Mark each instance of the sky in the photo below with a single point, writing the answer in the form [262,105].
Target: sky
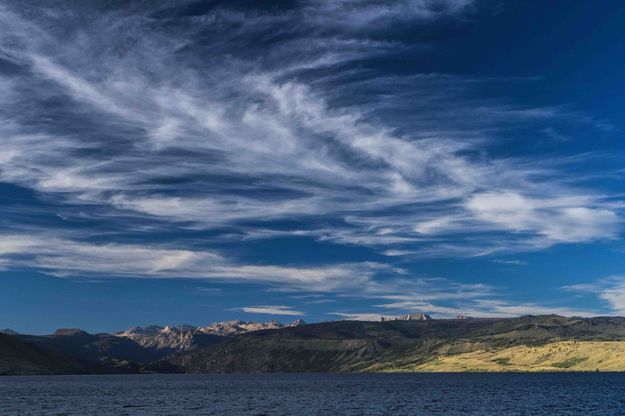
[169,162]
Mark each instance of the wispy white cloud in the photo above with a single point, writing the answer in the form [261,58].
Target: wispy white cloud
[510,262]
[559,219]
[365,316]
[150,124]
[370,282]
[64,257]
[609,290]
[272,310]
[363,15]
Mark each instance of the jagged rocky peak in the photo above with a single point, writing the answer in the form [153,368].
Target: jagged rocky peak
[235,327]
[231,322]
[266,325]
[257,326]
[156,329]
[152,329]
[409,317]
[181,337]
[186,337]
[185,327]
[7,331]
[298,322]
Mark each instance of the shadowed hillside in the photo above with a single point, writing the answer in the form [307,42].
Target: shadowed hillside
[17,357]
[97,353]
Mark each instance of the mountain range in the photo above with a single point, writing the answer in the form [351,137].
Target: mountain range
[138,349]
[527,343]
[186,337]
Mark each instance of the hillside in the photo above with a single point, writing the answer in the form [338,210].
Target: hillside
[554,356]
[90,347]
[390,345]
[17,357]
[95,353]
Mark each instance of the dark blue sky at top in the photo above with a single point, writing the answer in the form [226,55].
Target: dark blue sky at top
[189,162]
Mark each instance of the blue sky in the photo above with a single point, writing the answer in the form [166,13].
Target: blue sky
[193,161]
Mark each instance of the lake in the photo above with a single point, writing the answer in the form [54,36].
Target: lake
[316,394]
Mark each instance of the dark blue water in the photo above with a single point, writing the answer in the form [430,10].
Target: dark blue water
[316,394]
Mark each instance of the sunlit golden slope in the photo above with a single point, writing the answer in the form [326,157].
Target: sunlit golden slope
[555,356]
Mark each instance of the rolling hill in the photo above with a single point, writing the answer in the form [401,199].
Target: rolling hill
[345,346]
[18,357]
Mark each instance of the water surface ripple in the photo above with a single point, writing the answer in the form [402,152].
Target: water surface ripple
[316,394]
